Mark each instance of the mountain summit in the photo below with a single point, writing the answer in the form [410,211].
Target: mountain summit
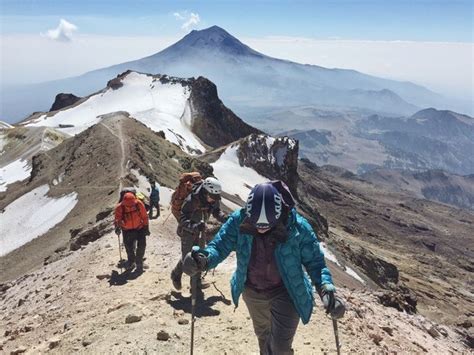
[245,78]
[211,39]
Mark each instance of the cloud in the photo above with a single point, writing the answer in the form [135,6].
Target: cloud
[190,19]
[62,33]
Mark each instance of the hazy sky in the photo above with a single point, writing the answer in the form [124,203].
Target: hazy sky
[427,42]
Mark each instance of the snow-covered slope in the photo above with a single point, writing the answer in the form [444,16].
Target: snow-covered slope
[160,106]
[32,215]
[15,171]
[236,180]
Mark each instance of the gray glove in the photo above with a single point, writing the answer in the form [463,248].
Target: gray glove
[194,262]
[333,304]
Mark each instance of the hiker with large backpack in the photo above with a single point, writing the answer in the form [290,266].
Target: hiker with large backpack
[202,202]
[276,250]
[154,200]
[131,219]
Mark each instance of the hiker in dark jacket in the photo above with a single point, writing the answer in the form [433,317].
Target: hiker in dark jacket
[276,250]
[202,202]
[154,200]
[131,219]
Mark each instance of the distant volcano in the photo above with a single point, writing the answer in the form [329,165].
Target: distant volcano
[245,78]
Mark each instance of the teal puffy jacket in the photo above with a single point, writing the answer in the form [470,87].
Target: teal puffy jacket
[300,250]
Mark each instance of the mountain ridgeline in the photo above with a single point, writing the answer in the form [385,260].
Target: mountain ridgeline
[245,77]
[394,256]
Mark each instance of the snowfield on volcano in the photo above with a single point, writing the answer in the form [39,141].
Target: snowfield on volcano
[31,216]
[161,107]
[236,180]
[15,171]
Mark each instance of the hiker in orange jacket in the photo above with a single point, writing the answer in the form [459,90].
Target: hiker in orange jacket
[132,219]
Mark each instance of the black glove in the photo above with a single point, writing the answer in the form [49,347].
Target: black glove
[333,304]
[118,230]
[147,230]
[200,227]
[194,262]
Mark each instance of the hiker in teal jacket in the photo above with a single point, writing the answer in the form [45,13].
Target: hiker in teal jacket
[273,244]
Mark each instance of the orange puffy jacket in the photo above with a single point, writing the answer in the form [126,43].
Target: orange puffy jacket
[131,213]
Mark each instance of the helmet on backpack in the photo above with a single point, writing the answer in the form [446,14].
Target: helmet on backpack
[264,206]
[213,187]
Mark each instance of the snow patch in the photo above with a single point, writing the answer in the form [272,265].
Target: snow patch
[330,256]
[15,171]
[31,216]
[235,179]
[161,107]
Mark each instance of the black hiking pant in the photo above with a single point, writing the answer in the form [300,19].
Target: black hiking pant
[135,244]
[274,318]
[155,204]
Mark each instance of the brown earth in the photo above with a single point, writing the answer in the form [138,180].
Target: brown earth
[73,305]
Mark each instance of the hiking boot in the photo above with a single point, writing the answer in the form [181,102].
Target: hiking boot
[139,269]
[176,281]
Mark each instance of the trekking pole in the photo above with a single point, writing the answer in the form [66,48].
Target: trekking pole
[194,282]
[120,253]
[336,335]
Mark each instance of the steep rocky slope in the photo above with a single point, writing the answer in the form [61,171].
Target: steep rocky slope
[435,185]
[81,304]
[94,164]
[430,245]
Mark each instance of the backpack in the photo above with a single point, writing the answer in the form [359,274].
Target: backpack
[184,188]
[138,195]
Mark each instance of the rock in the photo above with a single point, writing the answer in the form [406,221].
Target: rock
[132,318]
[465,324]
[388,330]
[21,301]
[86,342]
[19,350]
[183,321]
[103,276]
[111,309]
[63,100]
[178,313]
[377,338]
[443,331]
[433,332]
[53,343]
[162,335]
[160,297]
[108,246]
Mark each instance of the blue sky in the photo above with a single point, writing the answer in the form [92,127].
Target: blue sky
[427,42]
[414,20]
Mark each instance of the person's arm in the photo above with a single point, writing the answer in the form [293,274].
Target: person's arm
[118,215]
[217,212]
[224,241]
[312,256]
[186,212]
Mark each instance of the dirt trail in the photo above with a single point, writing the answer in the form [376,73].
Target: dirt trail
[73,305]
[119,134]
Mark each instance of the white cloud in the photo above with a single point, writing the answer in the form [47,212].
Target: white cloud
[190,19]
[62,33]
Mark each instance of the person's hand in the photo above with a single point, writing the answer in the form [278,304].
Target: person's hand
[194,262]
[147,230]
[118,230]
[200,227]
[332,303]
